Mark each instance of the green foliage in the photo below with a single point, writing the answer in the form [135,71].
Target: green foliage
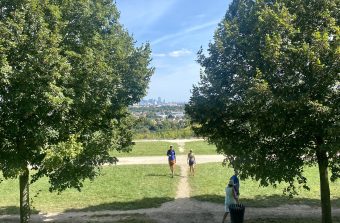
[163,109]
[68,72]
[116,188]
[160,122]
[269,91]
[167,134]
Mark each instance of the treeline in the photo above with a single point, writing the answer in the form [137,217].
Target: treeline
[167,134]
[154,109]
[160,122]
[158,128]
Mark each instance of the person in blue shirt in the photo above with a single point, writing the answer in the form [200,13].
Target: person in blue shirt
[172,159]
[236,181]
[230,198]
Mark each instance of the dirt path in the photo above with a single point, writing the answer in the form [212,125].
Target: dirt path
[183,189]
[183,209]
[181,159]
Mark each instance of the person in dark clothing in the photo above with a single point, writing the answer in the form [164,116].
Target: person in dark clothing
[236,181]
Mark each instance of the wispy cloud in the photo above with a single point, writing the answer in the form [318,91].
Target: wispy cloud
[186,31]
[141,20]
[180,53]
[175,53]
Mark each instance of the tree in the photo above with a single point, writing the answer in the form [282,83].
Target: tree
[269,91]
[68,71]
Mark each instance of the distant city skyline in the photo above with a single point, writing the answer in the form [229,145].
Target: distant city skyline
[158,101]
[176,30]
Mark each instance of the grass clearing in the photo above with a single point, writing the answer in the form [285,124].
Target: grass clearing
[159,148]
[200,148]
[117,188]
[210,180]
[156,148]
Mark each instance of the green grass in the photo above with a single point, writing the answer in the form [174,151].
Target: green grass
[117,188]
[210,180]
[147,149]
[159,148]
[200,148]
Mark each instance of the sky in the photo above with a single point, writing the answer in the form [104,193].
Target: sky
[175,29]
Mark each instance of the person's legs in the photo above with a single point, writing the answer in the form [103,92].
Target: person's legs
[193,170]
[172,164]
[225,216]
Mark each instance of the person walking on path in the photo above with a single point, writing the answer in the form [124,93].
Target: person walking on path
[172,159]
[230,198]
[191,161]
[236,181]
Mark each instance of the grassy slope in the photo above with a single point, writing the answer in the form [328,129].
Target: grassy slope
[159,149]
[117,188]
[200,148]
[210,180]
[147,149]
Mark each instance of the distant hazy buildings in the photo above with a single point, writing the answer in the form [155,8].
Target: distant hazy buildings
[156,102]
[158,109]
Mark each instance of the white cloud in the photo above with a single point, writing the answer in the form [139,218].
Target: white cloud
[175,53]
[186,31]
[180,53]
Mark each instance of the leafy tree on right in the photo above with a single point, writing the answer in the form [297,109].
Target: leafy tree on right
[268,97]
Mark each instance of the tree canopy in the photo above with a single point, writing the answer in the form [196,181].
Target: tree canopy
[269,91]
[68,71]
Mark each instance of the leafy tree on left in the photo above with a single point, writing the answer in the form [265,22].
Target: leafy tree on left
[68,71]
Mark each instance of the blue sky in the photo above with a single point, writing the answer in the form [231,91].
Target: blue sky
[176,29]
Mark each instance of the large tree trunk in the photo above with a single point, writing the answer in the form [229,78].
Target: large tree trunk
[24,196]
[324,187]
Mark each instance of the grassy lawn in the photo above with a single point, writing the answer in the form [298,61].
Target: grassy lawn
[200,148]
[210,180]
[147,149]
[159,148]
[117,188]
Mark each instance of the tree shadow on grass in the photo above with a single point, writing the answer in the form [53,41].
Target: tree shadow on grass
[162,175]
[14,210]
[269,201]
[156,175]
[131,205]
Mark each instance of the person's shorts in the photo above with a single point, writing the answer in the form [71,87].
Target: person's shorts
[172,162]
[191,163]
